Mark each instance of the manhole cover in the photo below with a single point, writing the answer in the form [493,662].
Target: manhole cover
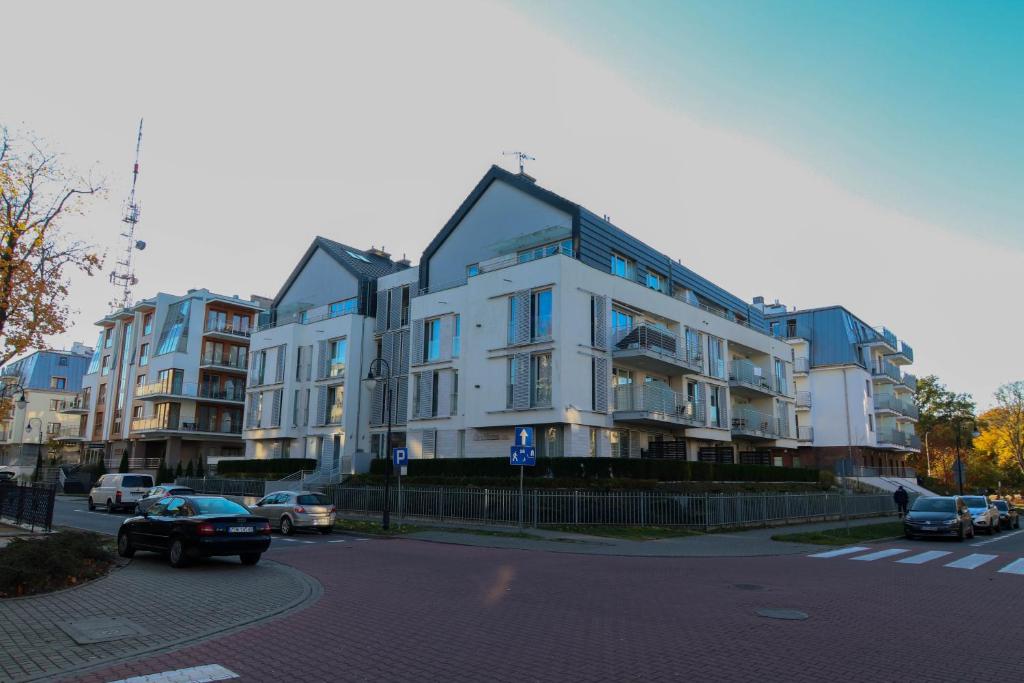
[748,586]
[101,629]
[790,614]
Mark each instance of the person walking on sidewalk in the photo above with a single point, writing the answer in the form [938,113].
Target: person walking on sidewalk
[901,498]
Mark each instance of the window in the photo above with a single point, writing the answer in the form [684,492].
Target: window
[137,411]
[619,441]
[335,404]
[240,322]
[455,392]
[174,335]
[621,321]
[715,395]
[540,380]
[53,428]
[305,409]
[791,328]
[432,339]
[259,367]
[342,307]
[780,376]
[105,369]
[867,387]
[358,257]
[295,408]
[144,354]
[216,320]
[147,324]
[513,316]
[593,442]
[108,337]
[561,247]
[54,404]
[472,270]
[140,380]
[62,361]
[405,306]
[654,281]
[540,319]
[101,395]
[510,385]
[716,362]
[456,336]
[622,266]
[871,423]
[339,349]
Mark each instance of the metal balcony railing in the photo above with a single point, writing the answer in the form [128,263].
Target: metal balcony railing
[803,399]
[222,362]
[654,398]
[884,368]
[228,328]
[72,432]
[749,421]
[157,423]
[805,433]
[78,403]
[888,336]
[745,372]
[191,390]
[648,337]
[801,364]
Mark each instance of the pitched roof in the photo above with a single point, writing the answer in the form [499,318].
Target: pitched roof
[362,264]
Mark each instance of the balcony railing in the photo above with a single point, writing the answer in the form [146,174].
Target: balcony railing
[72,432]
[755,423]
[888,336]
[805,433]
[658,340]
[801,364]
[897,404]
[500,263]
[653,398]
[885,369]
[237,364]
[228,329]
[892,436]
[158,423]
[910,382]
[746,373]
[803,399]
[75,405]
[191,390]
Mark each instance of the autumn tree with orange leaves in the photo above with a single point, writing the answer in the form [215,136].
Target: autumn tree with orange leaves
[37,192]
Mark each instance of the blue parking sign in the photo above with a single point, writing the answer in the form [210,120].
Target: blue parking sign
[401,456]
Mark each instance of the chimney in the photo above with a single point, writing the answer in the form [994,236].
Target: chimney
[403,262]
[758,300]
[378,252]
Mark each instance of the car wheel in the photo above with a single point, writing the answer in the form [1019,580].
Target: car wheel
[999,528]
[287,528]
[326,531]
[110,506]
[124,545]
[177,554]
[92,505]
[910,536]
[249,558]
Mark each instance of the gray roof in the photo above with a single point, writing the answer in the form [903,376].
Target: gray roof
[374,266]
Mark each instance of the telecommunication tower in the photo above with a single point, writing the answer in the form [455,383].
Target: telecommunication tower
[123,276]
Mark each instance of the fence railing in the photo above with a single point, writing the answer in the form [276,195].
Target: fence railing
[803,399]
[32,505]
[626,508]
[223,486]
[901,472]
[227,328]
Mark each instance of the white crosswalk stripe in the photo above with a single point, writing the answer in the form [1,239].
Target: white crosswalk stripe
[881,554]
[924,557]
[972,561]
[1015,567]
[841,551]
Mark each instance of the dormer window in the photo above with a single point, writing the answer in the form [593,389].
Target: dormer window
[654,281]
[622,266]
[359,257]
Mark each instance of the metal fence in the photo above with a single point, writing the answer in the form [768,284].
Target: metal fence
[227,487]
[32,505]
[621,508]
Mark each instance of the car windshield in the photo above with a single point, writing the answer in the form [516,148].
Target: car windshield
[136,481]
[219,506]
[933,505]
[976,502]
[313,499]
[1002,505]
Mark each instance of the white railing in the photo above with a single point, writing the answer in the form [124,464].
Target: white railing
[803,399]
[801,364]
[652,398]
[805,433]
[657,340]
[745,372]
[749,421]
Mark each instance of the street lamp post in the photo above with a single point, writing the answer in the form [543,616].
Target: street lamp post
[9,390]
[381,371]
[960,474]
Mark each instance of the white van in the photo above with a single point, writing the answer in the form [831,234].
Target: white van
[119,491]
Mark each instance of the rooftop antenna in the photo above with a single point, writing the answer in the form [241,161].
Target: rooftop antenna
[522,156]
[123,275]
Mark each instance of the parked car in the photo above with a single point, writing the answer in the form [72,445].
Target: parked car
[8,475]
[119,491]
[939,516]
[159,492]
[291,510]
[187,527]
[1009,517]
[986,516]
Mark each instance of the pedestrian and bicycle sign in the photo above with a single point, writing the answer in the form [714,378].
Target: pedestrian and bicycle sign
[523,453]
[401,456]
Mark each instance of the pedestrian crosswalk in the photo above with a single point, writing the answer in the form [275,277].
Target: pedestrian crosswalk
[944,558]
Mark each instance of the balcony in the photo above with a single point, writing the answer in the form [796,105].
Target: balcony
[71,433]
[757,425]
[801,365]
[884,371]
[894,438]
[190,390]
[224,330]
[223,364]
[75,406]
[655,405]
[909,383]
[903,408]
[655,349]
[223,427]
[805,434]
[905,356]
[803,400]
[746,378]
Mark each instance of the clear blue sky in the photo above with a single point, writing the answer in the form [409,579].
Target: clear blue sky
[918,105]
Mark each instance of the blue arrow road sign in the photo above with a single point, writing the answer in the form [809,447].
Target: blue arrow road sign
[401,456]
[523,455]
[524,436]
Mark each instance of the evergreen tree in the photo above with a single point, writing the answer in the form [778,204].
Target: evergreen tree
[123,467]
[200,470]
[178,472]
[190,471]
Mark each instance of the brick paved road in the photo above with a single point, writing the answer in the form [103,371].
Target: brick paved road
[408,610]
[172,605]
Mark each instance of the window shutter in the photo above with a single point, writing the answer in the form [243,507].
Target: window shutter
[275,410]
[521,386]
[402,401]
[600,313]
[321,405]
[634,444]
[723,407]
[429,441]
[387,351]
[250,412]
[602,384]
[381,323]
[377,416]
[424,394]
[309,363]
[321,362]
[447,331]
[275,450]
[282,356]
[521,324]
[444,393]
[395,318]
[417,341]
[446,444]
[327,454]
[403,357]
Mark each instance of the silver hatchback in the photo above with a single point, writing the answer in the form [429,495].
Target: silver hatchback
[291,510]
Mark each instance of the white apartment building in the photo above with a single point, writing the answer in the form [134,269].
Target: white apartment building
[167,380]
[310,352]
[855,405]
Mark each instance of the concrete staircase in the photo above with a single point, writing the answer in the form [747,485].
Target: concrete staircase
[890,484]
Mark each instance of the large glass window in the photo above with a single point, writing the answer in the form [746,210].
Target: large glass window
[511,382]
[540,321]
[513,316]
[622,266]
[432,339]
[780,376]
[343,307]
[716,360]
[540,380]
[94,362]
[655,281]
[339,350]
[715,395]
[335,404]
[174,335]
[147,324]
[621,321]
[144,354]
[457,336]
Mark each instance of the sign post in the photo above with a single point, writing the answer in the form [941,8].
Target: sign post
[401,459]
[522,454]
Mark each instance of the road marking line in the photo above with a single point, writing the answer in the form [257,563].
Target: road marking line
[340,541]
[841,551]
[1015,567]
[193,674]
[362,539]
[924,557]
[1001,537]
[871,557]
[972,561]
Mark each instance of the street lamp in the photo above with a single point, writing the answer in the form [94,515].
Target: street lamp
[381,371]
[961,475]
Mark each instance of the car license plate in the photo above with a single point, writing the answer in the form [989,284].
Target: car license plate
[322,522]
[240,530]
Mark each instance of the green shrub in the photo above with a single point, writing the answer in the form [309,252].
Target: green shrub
[272,468]
[190,470]
[52,562]
[123,466]
[179,470]
[603,468]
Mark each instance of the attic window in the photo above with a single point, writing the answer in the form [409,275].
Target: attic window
[357,256]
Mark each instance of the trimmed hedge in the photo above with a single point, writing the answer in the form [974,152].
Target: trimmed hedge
[277,467]
[603,468]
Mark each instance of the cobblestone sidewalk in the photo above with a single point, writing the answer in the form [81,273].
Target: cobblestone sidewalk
[169,607]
